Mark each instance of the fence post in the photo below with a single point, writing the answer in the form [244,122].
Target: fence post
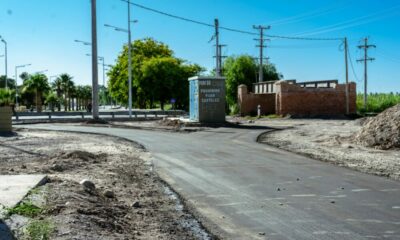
[49,115]
[83,115]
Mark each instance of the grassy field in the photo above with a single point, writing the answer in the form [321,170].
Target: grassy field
[377,102]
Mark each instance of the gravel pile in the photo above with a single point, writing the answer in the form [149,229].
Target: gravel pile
[382,131]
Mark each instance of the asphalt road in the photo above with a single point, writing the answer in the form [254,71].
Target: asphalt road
[249,189]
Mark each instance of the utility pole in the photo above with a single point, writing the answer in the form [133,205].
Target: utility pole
[366,46]
[129,59]
[219,58]
[95,85]
[217,49]
[5,58]
[346,47]
[261,46]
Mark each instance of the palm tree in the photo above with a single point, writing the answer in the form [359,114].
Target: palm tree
[39,85]
[66,85]
[87,95]
[57,87]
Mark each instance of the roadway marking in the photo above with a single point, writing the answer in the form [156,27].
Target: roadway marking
[360,190]
[231,204]
[314,177]
[320,232]
[303,195]
[337,196]
[396,207]
[364,220]
[390,190]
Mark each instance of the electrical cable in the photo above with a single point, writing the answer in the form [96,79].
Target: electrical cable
[226,28]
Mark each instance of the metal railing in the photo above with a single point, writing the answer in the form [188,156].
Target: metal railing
[110,115]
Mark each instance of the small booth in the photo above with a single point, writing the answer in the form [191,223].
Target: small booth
[207,99]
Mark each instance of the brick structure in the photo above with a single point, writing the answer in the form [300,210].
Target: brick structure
[248,102]
[326,98]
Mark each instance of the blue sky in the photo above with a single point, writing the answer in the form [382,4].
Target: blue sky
[42,32]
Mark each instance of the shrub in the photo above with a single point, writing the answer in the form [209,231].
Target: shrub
[6,97]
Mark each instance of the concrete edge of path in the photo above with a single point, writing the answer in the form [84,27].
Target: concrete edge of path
[14,188]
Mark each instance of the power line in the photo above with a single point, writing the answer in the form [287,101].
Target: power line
[227,28]
[352,22]
[352,67]
[308,15]
[171,15]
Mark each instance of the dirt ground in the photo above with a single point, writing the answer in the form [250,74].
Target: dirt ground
[331,141]
[128,202]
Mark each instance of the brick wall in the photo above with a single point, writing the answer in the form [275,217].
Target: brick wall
[294,100]
[248,102]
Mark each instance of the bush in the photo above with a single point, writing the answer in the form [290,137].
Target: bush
[6,97]
[234,109]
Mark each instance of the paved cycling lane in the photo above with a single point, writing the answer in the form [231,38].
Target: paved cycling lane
[249,189]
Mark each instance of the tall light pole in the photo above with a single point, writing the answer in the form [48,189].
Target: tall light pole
[130,58]
[95,90]
[16,81]
[5,57]
[103,64]
[128,31]
[104,75]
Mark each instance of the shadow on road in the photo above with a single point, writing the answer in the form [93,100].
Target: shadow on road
[5,232]
[8,134]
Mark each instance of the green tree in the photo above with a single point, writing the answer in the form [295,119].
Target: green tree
[243,70]
[6,97]
[157,75]
[67,86]
[57,86]
[52,100]
[10,82]
[38,84]
[142,51]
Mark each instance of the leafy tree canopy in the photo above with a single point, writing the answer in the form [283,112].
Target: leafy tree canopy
[155,75]
[10,82]
[243,69]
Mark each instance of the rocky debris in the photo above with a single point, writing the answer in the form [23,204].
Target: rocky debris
[136,204]
[382,131]
[88,185]
[109,194]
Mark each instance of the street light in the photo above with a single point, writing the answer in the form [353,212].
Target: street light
[103,63]
[40,72]
[95,76]
[104,75]
[83,42]
[5,59]
[128,31]
[16,81]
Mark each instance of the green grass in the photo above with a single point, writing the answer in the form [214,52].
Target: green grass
[39,230]
[271,116]
[377,102]
[26,209]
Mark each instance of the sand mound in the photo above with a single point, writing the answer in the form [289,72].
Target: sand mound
[382,131]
